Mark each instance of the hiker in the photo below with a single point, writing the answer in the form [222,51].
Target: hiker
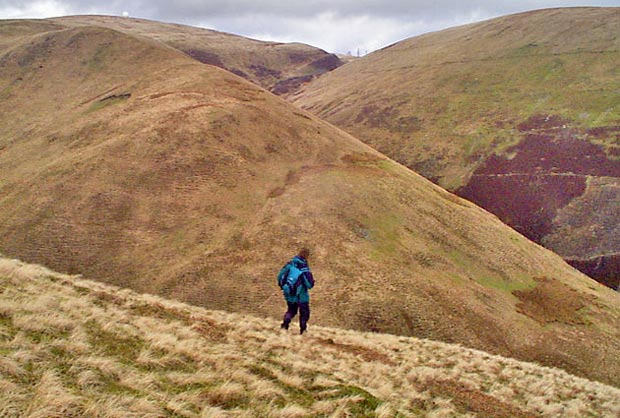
[295,279]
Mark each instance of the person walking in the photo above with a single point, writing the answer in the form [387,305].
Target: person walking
[295,279]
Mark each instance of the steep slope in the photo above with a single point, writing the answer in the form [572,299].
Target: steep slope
[518,114]
[73,347]
[279,67]
[128,161]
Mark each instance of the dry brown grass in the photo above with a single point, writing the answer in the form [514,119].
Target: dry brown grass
[443,102]
[447,104]
[167,191]
[113,361]
[264,63]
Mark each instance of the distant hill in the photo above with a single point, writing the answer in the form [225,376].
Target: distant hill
[125,160]
[518,114]
[73,347]
[278,67]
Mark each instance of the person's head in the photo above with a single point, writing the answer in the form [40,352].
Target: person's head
[304,252]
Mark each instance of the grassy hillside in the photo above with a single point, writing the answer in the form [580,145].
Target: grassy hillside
[73,347]
[518,114]
[128,161]
[279,67]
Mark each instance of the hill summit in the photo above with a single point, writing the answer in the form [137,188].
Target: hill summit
[279,67]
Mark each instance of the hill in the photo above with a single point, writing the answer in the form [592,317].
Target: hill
[518,114]
[275,66]
[126,160]
[73,347]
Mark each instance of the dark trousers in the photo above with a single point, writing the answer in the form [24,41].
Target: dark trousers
[304,314]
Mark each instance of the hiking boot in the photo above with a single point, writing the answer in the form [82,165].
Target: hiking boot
[284,325]
[301,331]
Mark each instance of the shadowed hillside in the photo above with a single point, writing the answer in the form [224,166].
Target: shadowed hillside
[278,67]
[128,161]
[73,347]
[518,114]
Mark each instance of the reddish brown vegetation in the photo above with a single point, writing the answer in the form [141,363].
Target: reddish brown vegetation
[526,202]
[551,301]
[553,154]
[326,63]
[541,175]
[604,131]
[205,57]
[262,71]
[291,84]
[538,122]
[360,158]
[470,400]
[365,353]
[606,269]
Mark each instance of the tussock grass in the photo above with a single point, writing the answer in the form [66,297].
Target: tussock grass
[73,347]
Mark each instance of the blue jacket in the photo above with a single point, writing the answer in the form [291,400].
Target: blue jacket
[307,281]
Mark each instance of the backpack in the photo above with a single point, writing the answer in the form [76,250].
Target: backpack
[292,283]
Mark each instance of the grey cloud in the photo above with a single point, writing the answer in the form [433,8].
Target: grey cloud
[370,23]
[193,9]
[397,9]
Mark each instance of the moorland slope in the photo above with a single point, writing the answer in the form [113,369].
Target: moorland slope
[275,66]
[126,160]
[518,114]
[74,347]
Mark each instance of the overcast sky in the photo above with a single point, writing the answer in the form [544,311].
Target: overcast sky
[334,25]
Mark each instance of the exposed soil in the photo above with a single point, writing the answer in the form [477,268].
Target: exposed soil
[122,96]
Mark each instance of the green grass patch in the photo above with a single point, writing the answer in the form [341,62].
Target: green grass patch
[296,395]
[487,277]
[110,385]
[98,60]
[7,329]
[81,290]
[124,348]
[108,101]
[46,336]
[363,408]
[151,310]
[389,166]
[62,362]
[179,363]
[506,286]
[263,373]
[6,92]
[384,235]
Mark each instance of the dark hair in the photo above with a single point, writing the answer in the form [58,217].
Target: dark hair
[304,252]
